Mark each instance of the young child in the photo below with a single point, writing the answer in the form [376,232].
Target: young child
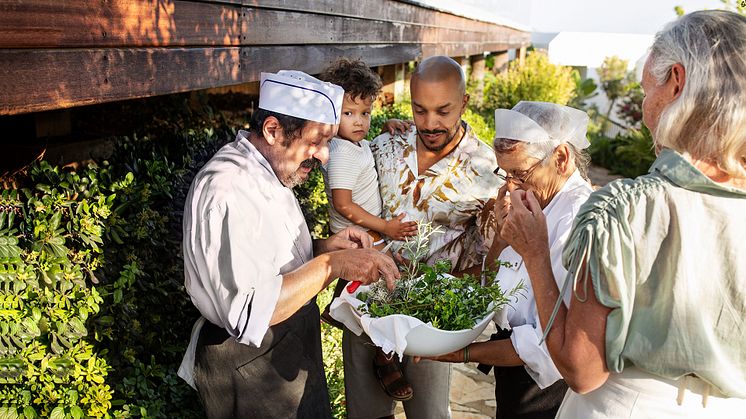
[352,187]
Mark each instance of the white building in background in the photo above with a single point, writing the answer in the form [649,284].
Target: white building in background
[586,51]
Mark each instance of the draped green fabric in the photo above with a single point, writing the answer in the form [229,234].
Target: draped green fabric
[667,253]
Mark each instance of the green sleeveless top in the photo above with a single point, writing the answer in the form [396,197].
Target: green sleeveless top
[667,253]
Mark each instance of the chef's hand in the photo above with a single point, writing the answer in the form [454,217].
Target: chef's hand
[363,265]
[349,238]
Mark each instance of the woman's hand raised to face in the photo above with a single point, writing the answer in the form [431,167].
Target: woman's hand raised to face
[525,227]
[501,209]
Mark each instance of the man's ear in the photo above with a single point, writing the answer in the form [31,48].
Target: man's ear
[271,130]
[466,102]
[677,79]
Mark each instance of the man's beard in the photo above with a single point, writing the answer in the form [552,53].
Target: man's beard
[444,144]
[294,179]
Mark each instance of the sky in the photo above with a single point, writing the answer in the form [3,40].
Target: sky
[621,16]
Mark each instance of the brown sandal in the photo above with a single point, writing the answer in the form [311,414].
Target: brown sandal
[392,366]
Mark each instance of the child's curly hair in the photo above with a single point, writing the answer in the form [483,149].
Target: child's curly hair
[356,78]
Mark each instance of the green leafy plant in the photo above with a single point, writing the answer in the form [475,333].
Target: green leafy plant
[482,125]
[429,294]
[331,344]
[445,301]
[536,80]
[50,237]
[629,154]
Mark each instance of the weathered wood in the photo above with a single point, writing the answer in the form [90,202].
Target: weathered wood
[117,23]
[478,67]
[62,53]
[38,80]
[386,10]
[304,28]
[142,23]
[501,61]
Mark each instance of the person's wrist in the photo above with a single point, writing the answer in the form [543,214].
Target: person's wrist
[466,354]
[537,257]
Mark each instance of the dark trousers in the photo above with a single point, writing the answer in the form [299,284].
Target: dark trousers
[282,378]
[517,395]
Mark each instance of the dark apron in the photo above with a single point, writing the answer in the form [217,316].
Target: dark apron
[282,378]
[518,396]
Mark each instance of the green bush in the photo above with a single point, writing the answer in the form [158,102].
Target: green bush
[629,154]
[379,116]
[331,342]
[94,306]
[536,80]
[483,126]
[50,245]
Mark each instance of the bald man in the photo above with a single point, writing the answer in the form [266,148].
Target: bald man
[438,172]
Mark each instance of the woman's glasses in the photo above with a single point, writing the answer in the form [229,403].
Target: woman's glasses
[521,177]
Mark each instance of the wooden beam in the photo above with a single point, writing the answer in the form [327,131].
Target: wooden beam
[77,52]
[385,10]
[38,80]
[144,23]
[117,23]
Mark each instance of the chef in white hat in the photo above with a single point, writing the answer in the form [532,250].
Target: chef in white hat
[251,267]
[539,147]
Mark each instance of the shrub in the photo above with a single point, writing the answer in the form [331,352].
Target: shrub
[536,80]
[379,116]
[99,310]
[629,154]
[50,237]
[483,126]
[331,342]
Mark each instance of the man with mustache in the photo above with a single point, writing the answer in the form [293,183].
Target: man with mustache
[438,172]
[249,260]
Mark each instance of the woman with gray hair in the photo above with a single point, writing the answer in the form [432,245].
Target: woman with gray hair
[539,147]
[657,328]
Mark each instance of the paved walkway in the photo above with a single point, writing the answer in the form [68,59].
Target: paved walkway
[473,393]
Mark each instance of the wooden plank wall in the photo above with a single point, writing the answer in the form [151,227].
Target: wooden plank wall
[63,53]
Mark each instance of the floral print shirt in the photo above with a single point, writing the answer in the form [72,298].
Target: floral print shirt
[450,194]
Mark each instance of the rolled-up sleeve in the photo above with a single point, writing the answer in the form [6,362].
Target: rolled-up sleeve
[539,364]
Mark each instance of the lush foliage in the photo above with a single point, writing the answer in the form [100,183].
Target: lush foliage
[429,294]
[379,116]
[331,342]
[585,89]
[629,108]
[94,294]
[537,80]
[483,126]
[614,76]
[629,154]
[447,302]
[50,246]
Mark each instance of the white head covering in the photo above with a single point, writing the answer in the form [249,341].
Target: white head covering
[297,94]
[536,122]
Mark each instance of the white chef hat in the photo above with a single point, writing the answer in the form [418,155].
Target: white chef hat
[535,122]
[297,94]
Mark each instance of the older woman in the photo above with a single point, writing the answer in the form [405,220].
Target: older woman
[657,327]
[539,147]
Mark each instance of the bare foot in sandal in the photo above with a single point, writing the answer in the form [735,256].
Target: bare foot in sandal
[390,376]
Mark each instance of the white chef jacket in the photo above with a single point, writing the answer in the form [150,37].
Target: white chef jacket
[522,315]
[243,229]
